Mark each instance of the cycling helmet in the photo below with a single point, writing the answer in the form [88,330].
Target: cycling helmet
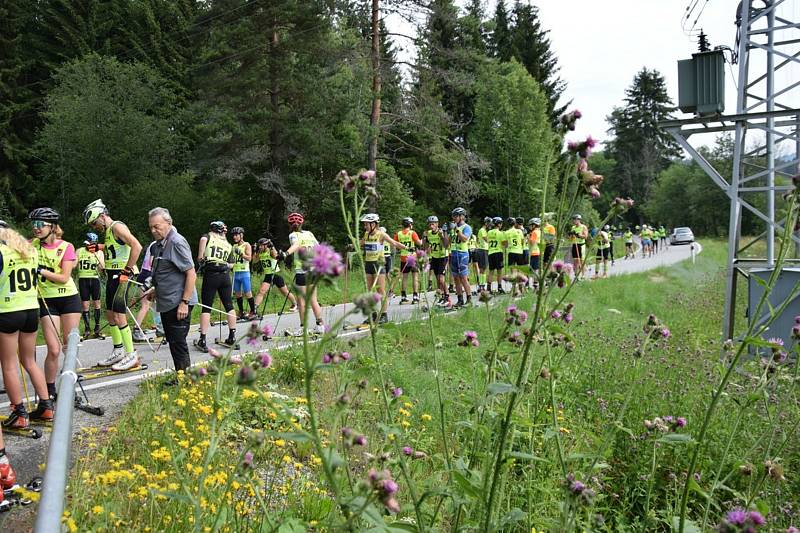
[217,226]
[519,220]
[237,230]
[370,217]
[262,241]
[94,210]
[295,218]
[535,221]
[487,220]
[577,216]
[497,221]
[459,212]
[606,227]
[4,224]
[407,221]
[511,221]
[91,238]
[45,214]
[432,219]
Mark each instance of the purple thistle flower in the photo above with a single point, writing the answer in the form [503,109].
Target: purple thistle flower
[475,343]
[792,529]
[411,261]
[408,450]
[558,265]
[361,440]
[389,486]
[680,422]
[573,146]
[511,310]
[345,356]
[522,317]
[326,358]
[556,314]
[248,459]
[568,318]
[265,359]
[470,335]
[590,142]
[267,330]
[576,114]
[775,342]
[202,371]
[736,517]
[594,192]
[756,518]
[325,261]
[665,333]
[397,392]
[245,376]
[577,487]
[377,297]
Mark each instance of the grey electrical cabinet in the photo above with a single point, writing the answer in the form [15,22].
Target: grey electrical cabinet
[701,83]
[788,280]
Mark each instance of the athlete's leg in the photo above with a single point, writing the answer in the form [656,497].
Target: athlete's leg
[27,356]
[51,330]
[262,291]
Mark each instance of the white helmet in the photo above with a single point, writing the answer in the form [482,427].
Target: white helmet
[370,217]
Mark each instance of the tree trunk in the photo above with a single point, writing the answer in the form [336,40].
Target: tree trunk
[375,117]
[273,96]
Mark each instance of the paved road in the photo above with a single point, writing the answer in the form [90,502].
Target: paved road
[114,392]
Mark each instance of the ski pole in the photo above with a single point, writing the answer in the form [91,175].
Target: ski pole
[285,299]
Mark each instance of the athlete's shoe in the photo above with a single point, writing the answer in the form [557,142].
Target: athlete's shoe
[500,290]
[229,342]
[18,419]
[201,345]
[319,329]
[138,336]
[131,360]
[250,316]
[415,299]
[8,477]
[293,309]
[44,412]
[384,319]
[160,333]
[441,302]
[116,356]
[294,333]
[404,299]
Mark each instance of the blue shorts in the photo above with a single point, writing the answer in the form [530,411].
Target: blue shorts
[459,263]
[241,282]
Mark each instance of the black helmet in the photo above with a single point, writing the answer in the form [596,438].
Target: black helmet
[44,214]
[459,211]
[217,226]
[511,221]
[237,230]
[3,224]
[407,221]
[263,241]
[519,220]
[497,221]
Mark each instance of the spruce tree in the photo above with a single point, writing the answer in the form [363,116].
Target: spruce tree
[501,38]
[641,149]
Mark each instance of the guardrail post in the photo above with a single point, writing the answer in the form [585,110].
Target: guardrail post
[51,504]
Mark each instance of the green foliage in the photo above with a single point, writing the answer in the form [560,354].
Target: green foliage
[512,131]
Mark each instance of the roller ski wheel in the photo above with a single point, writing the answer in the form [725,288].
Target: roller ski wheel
[356,327]
[224,344]
[99,372]
[28,432]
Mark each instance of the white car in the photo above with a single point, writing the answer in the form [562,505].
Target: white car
[681,236]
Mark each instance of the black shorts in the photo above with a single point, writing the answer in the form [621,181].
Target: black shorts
[472,256]
[526,255]
[374,268]
[496,261]
[482,258]
[387,264]
[438,265]
[534,263]
[26,321]
[300,279]
[216,283]
[603,254]
[548,252]
[274,279]
[516,259]
[577,250]
[89,289]
[629,246]
[60,305]
[405,268]
[112,284]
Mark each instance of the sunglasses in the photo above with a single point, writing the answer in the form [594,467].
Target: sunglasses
[39,224]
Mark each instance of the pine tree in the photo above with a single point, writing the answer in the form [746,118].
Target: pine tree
[501,38]
[641,149]
[531,46]
[473,33]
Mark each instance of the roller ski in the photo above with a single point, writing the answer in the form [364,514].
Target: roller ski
[317,331]
[98,372]
[18,423]
[93,335]
[227,343]
[11,490]
[200,344]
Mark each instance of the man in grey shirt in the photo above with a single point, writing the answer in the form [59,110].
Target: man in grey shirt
[174,284]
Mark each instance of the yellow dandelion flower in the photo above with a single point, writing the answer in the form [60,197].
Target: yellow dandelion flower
[280,443]
[563,430]
[426,417]
[247,394]
[97,509]
[180,402]
[164,396]
[72,526]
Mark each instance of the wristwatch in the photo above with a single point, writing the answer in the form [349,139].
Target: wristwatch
[185,301]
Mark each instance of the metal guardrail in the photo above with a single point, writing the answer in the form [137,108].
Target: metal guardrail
[51,504]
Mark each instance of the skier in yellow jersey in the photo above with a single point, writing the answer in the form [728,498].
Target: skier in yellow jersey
[302,241]
[214,255]
[19,321]
[242,255]
[121,251]
[578,232]
[482,252]
[497,244]
[90,264]
[436,244]
[408,260]
[603,253]
[267,256]
[372,242]
[459,256]
[516,242]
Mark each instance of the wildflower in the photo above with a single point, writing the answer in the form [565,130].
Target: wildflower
[556,314]
[360,440]
[411,261]
[97,509]
[236,359]
[426,418]
[775,342]
[267,330]
[408,450]
[247,462]
[213,353]
[367,177]
[470,339]
[245,376]
[774,470]
[680,422]
[367,302]
[397,392]
[567,318]
[511,310]
[265,359]
[202,371]
[738,519]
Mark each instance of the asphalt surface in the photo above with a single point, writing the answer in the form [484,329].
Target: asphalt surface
[114,392]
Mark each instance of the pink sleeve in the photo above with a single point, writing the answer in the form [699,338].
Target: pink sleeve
[69,254]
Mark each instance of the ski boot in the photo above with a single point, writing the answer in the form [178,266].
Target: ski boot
[319,329]
[415,299]
[44,412]
[293,309]
[18,419]
[131,360]
[403,299]
[116,356]
[201,345]
[139,336]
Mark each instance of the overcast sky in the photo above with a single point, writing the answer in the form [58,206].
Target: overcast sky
[601,45]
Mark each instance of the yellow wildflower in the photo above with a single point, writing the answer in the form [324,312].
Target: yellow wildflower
[97,509]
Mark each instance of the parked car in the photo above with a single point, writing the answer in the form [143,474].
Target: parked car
[681,236]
